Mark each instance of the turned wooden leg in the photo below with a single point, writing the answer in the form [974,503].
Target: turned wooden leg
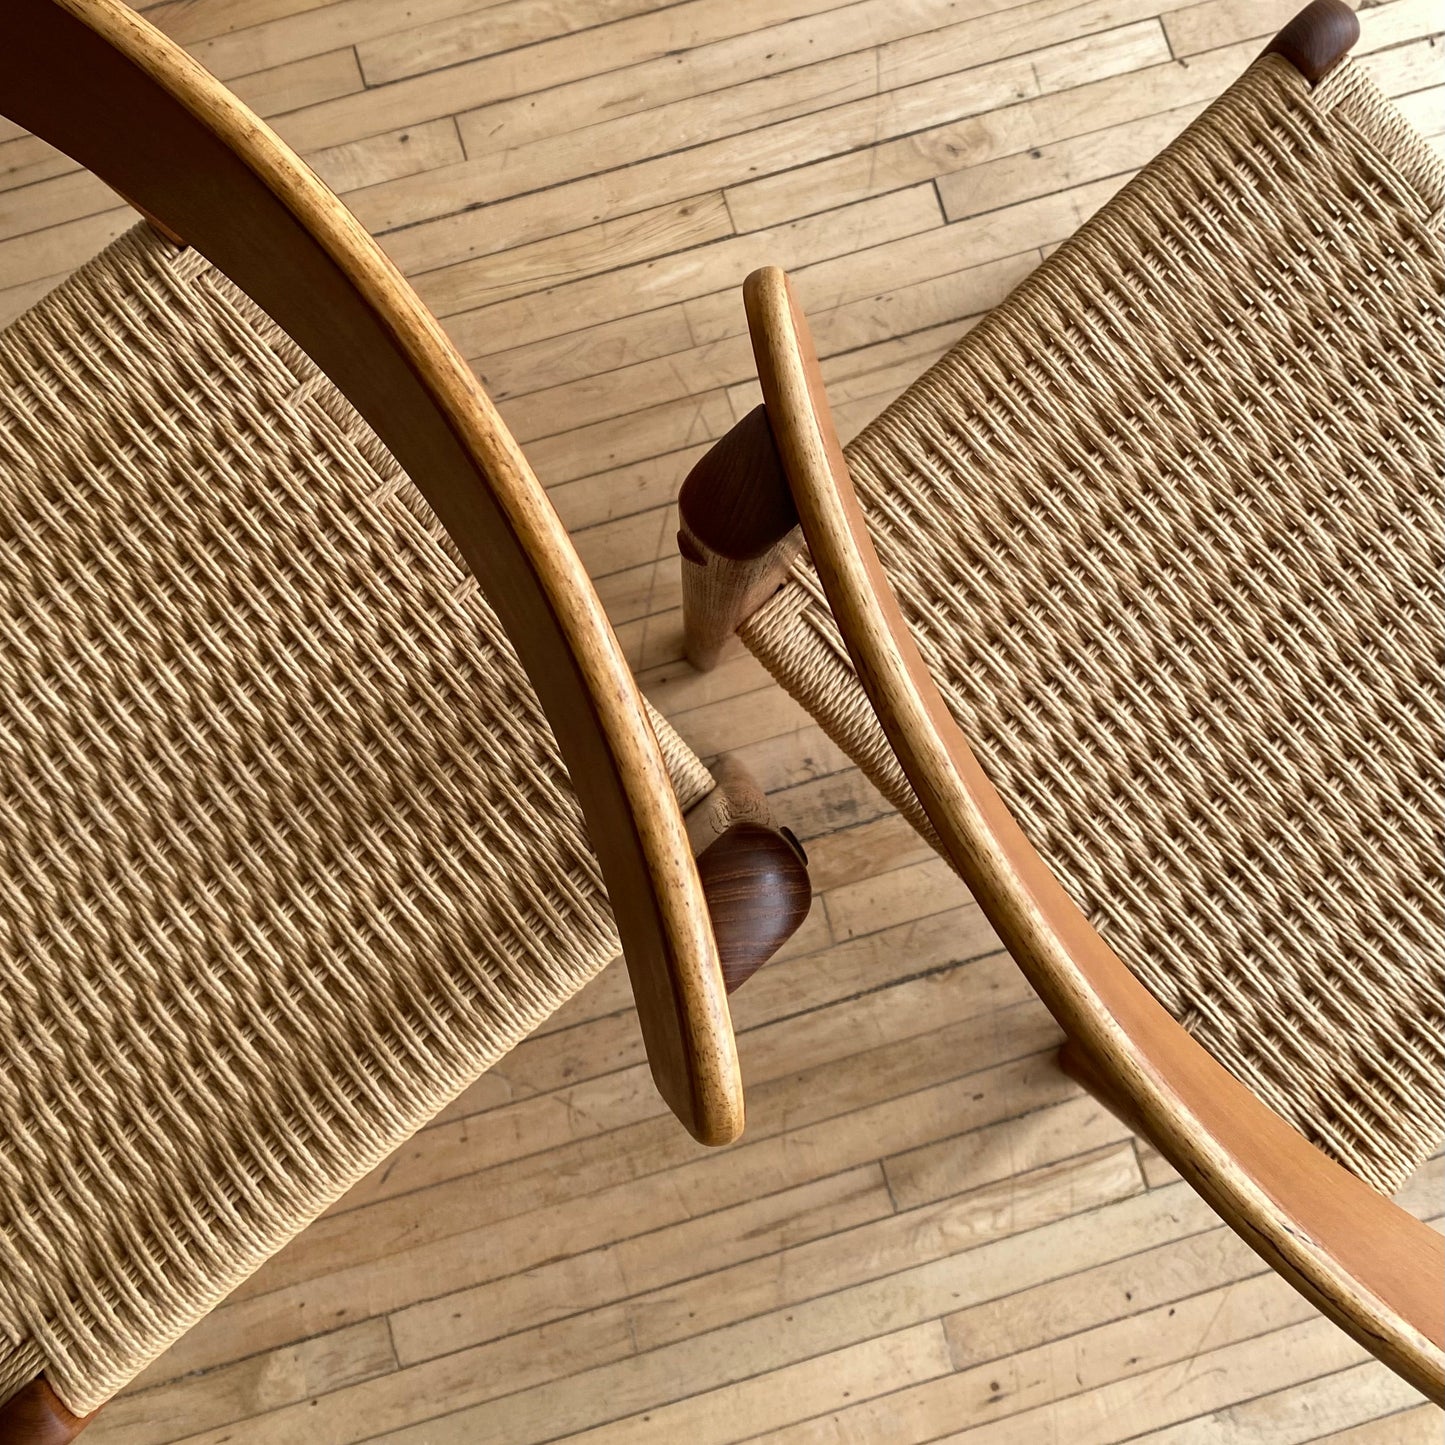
[738,537]
[33,1415]
[755,875]
[1317,39]
[1083,1070]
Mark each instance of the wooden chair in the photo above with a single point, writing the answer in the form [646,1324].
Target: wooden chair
[1136,614]
[322,777]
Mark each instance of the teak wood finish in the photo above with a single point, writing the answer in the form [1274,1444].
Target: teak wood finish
[34,1415]
[104,86]
[738,536]
[1366,1263]
[755,874]
[1317,39]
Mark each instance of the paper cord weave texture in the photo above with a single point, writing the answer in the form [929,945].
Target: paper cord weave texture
[288,855]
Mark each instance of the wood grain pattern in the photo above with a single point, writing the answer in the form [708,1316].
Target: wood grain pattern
[737,538]
[554,1257]
[1317,39]
[756,882]
[754,873]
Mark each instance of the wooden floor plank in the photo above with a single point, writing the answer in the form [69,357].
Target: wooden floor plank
[927,1233]
[1415,1425]
[1292,1416]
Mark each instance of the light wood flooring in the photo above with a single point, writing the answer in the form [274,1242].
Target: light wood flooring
[927,1234]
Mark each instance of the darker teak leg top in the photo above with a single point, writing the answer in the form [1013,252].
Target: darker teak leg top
[33,1415]
[738,538]
[1317,39]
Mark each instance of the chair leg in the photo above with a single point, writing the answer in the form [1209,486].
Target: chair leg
[1083,1071]
[1317,39]
[754,874]
[33,1415]
[738,537]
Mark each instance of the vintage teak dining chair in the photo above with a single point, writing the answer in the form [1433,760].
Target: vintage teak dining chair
[1135,612]
[322,777]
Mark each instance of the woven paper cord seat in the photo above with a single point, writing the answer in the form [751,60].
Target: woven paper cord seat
[1167,528]
[287,853]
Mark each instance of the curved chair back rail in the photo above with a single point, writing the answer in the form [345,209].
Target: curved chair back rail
[166,134]
[1365,1262]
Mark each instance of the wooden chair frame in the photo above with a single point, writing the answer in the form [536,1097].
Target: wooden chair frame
[101,84]
[167,135]
[1369,1265]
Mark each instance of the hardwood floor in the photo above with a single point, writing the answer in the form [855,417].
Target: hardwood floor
[928,1233]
